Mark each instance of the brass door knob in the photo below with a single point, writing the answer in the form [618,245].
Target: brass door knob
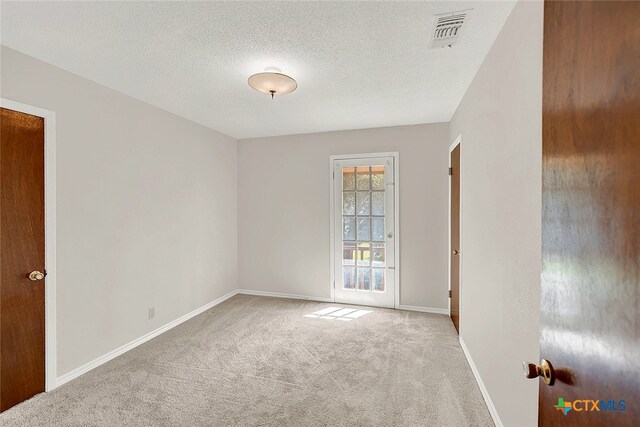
[544,371]
[36,275]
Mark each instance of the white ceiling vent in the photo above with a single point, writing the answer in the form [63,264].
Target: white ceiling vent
[447,28]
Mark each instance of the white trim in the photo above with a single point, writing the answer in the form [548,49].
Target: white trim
[50,348]
[456,142]
[396,207]
[135,343]
[332,240]
[424,309]
[281,295]
[485,394]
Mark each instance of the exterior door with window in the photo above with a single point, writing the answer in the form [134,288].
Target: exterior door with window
[364,231]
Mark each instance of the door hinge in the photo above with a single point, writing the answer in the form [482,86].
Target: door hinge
[449,293]
[450,171]
[334,174]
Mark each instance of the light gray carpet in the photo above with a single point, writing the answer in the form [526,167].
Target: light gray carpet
[255,361]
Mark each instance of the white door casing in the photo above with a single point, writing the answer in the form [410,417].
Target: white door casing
[364,230]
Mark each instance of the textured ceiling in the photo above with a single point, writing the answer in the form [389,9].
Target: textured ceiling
[358,64]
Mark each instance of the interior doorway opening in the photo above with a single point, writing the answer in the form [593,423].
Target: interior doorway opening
[455,252]
[44,146]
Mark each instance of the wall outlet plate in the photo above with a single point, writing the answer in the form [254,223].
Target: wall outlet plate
[152,313]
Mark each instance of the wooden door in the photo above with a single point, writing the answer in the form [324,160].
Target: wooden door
[455,237]
[22,357]
[590,300]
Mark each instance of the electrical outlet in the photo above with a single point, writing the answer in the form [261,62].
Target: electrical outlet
[152,313]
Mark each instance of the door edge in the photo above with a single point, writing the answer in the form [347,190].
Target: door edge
[456,142]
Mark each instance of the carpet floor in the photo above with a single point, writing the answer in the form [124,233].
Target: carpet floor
[256,361]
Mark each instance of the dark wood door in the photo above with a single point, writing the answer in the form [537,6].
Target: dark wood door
[590,300]
[22,358]
[455,237]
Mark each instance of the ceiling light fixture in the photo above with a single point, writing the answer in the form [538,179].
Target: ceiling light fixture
[272,83]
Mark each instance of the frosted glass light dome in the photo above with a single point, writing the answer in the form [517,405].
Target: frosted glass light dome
[272,83]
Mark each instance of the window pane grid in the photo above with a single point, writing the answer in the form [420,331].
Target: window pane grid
[363,206]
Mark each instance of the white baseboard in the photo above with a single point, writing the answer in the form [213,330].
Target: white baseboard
[279,295]
[424,309]
[492,409]
[133,344]
[326,299]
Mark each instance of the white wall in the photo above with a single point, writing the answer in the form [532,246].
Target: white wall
[284,219]
[146,210]
[500,119]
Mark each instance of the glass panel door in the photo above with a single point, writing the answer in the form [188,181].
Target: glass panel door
[364,235]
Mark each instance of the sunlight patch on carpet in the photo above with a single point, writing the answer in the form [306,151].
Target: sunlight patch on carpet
[337,313]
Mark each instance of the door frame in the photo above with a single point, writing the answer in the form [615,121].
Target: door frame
[396,219]
[49,233]
[456,142]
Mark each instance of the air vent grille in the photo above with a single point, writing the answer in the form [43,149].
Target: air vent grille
[447,28]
